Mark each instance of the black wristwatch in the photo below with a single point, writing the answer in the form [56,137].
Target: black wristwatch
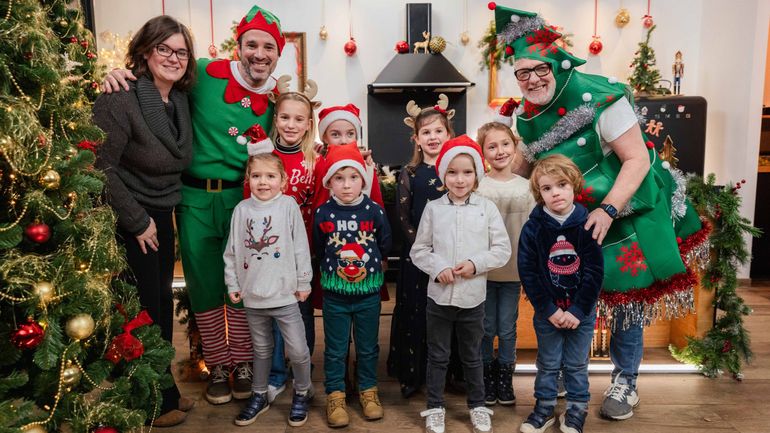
[610,209]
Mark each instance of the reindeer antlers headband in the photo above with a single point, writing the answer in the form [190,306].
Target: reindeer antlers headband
[441,106]
[310,91]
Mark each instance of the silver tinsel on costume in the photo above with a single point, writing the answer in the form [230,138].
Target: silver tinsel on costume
[669,306]
[626,211]
[679,199]
[517,29]
[563,129]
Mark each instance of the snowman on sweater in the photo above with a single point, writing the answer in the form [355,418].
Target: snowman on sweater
[564,269]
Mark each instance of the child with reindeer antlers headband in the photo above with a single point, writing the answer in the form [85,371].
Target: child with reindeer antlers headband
[418,183]
[293,136]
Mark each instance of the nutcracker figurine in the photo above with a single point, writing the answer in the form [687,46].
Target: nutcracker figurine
[678,70]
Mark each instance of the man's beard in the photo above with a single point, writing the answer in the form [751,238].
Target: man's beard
[544,99]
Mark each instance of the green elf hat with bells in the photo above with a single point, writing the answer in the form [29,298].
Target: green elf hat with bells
[262,19]
[525,35]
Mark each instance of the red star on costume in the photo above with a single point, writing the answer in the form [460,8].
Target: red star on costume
[234,92]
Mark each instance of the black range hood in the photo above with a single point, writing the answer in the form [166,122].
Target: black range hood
[419,71]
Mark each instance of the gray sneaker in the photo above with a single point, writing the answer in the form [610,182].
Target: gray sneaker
[243,378]
[434,420]
[218,389]
[620,399]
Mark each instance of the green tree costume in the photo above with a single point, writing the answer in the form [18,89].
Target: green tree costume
[649,247]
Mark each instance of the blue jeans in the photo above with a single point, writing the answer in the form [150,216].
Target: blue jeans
[567,350]
[278,371]
[626,347]
[340,313]
[500,314]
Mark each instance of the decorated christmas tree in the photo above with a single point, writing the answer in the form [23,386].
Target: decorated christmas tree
[645,76]
[76,354]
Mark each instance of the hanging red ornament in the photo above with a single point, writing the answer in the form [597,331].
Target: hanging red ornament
[38,232]
[106,429]
[596,46]
[28,335]
[84,44]
[647,21]
[213,51]
[88,145]
[402,47]
[350,47]
[90,55]
[126,346]
[73,40]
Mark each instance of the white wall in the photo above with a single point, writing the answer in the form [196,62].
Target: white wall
[723,45]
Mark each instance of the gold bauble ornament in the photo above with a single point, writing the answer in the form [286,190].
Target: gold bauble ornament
[437,44]
[622,18]
[80,327]
[35,429]
[63,23]
[50,179]
[44,290]
[71,375]
[323,34]
[465,38]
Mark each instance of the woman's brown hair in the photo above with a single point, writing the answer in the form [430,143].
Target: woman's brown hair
[152,33]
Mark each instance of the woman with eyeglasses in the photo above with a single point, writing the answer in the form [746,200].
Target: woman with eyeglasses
[148,144]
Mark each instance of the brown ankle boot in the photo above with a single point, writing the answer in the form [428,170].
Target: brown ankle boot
[336,410]
[370,403]
[170,418]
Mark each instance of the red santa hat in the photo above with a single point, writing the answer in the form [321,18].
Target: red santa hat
[505,115]
[563,247]
[341,156]
[457,146]
[264,20]
[353,252]
[349,112]
[256,140]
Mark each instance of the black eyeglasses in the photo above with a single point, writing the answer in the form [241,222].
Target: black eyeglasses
[166,51]
[540,70]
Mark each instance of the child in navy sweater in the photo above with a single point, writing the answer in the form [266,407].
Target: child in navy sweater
[561,268]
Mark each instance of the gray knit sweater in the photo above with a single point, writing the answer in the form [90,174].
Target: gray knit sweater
[144,153]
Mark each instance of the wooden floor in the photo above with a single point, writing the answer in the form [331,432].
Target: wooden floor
[674,403]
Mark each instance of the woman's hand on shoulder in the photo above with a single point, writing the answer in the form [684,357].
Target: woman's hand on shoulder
[116,79]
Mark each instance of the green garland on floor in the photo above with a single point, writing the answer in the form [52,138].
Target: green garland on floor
[726,346]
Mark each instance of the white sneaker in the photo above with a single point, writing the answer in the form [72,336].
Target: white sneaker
[434,420]
[481,419]
[273,392]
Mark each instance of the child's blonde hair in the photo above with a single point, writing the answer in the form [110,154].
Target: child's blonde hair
[481,134]
[558,167]
[307,144]
[269,158]
[425,117]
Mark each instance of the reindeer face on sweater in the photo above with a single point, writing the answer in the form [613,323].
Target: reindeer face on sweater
[352,257]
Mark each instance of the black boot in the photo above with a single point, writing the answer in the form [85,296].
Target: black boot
[505,394]
[490,383]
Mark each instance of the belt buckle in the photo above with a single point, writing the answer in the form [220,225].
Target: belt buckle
[217,188]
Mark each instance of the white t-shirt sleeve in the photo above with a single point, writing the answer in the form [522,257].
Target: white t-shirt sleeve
[614,121]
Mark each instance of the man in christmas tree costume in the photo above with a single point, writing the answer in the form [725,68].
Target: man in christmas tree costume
[229,97]
[639,211]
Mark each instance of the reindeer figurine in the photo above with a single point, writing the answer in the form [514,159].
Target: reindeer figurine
[422,44]
[441,106]
[264,240]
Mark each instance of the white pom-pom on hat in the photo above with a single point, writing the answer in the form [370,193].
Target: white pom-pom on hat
[566,64]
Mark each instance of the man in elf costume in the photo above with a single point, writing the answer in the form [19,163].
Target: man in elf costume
[229,97]
[640,215]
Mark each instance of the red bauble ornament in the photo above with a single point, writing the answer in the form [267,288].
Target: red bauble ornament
[94,85]
[491,6]
[647,21]
[84,44]
[402,47]
[106,429]
[38,232]
[213,51]
[28,335]
[596,46]
[350,47]
[90,55]
[73,40]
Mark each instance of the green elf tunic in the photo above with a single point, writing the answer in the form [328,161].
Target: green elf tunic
[649,247]
[222,108]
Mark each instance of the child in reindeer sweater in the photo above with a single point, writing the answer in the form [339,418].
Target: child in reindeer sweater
[351,236]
